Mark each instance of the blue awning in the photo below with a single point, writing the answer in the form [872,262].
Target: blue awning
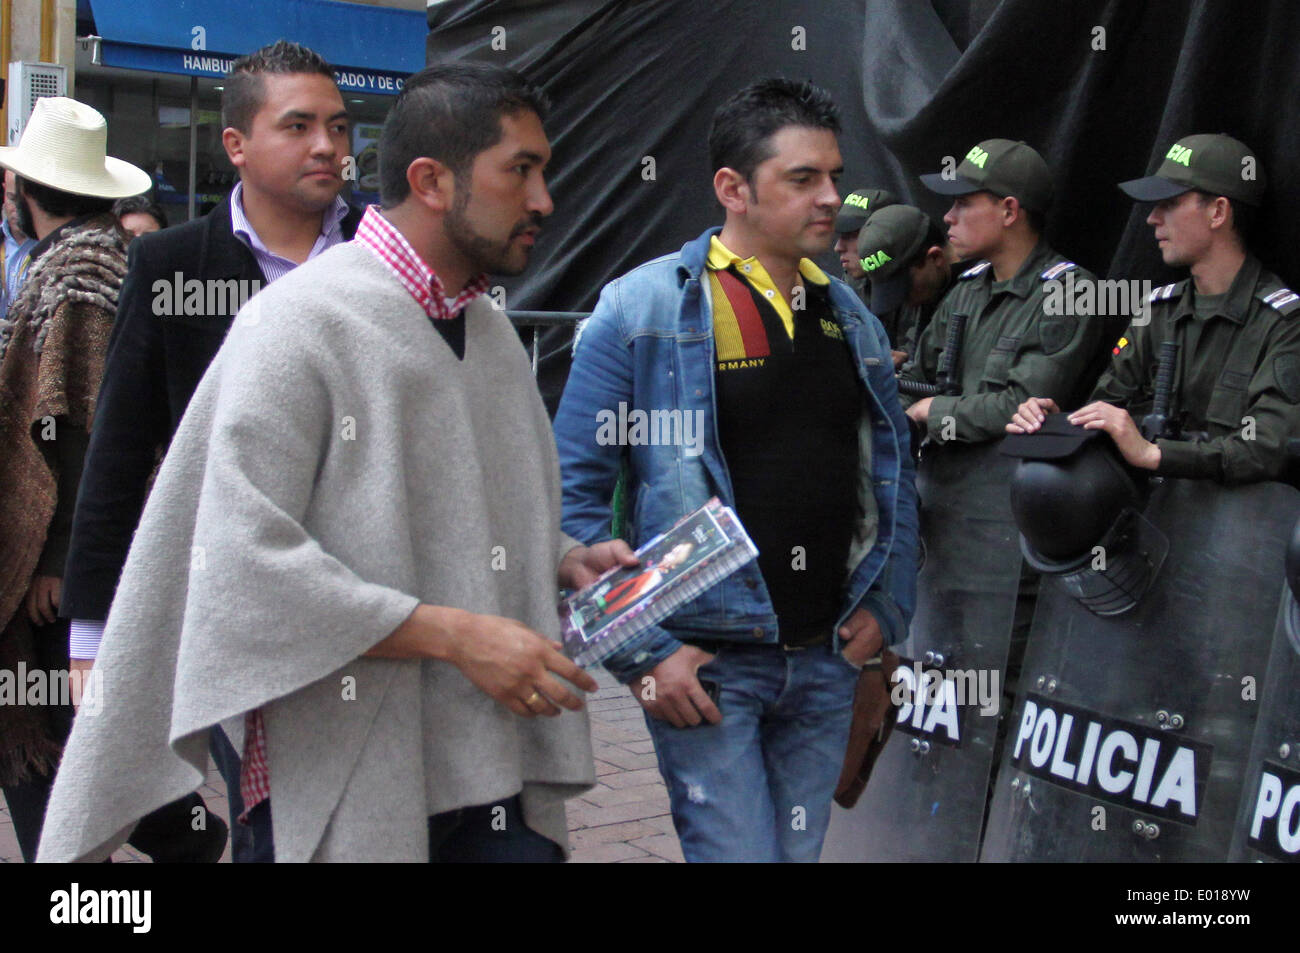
[372,49]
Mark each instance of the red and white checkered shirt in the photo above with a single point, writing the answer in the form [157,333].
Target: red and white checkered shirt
[390,246]
[254,771]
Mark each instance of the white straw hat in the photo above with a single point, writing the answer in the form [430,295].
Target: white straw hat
[64,146]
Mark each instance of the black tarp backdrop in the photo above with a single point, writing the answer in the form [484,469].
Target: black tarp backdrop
[1100,88]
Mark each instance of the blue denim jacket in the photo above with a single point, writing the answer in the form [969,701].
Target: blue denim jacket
[649,346]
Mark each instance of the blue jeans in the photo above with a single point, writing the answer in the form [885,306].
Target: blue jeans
[228,765]
[757,787]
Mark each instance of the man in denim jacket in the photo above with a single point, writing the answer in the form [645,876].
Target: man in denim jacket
[783,385]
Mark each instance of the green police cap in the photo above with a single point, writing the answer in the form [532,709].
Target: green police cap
[1219,165]
[1000,166]
[887,244]
[859,205]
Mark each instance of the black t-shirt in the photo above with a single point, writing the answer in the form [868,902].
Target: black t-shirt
[788,423]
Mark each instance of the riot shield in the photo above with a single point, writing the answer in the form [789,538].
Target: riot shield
[926,797]
[1268,821]
[1130,733]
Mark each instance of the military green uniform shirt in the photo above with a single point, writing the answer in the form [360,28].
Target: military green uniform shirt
[1011,349]
[1237,378]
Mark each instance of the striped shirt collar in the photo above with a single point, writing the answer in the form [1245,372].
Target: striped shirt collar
[390,246]
[720,256]
[274,266]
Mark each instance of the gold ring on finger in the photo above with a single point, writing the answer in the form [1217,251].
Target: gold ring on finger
[535,696]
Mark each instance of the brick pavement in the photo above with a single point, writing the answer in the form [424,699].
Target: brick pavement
[623,819]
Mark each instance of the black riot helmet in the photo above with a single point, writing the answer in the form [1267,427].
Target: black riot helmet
[1078,510]
[1065,506]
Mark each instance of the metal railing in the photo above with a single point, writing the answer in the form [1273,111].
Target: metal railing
[538,320]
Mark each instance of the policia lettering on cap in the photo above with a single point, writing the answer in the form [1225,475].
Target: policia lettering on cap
[1237,371]
[858,207]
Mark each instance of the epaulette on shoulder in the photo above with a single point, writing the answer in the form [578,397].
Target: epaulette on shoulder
[1165,292]
[1282,300]
[1060,268]
[974,271]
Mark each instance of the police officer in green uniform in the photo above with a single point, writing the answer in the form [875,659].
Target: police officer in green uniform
[1237,378]
[974,605]
[909,265]
[1012,348]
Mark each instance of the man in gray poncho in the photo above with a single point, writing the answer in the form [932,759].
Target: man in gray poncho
[351,553]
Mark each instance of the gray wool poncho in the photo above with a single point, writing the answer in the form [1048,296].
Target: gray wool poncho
[336,467]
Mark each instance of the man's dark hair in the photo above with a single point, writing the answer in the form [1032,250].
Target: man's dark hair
[743,126]
[450,112]
[59,204]
[1244,216]
[245,91]
[934,235]
[140,205]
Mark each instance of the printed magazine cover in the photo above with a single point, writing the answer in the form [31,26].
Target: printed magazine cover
[699,551]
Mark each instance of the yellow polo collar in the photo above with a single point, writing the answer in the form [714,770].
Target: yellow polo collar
[721,258]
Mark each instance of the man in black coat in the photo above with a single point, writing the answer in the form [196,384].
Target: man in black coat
[287,134]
